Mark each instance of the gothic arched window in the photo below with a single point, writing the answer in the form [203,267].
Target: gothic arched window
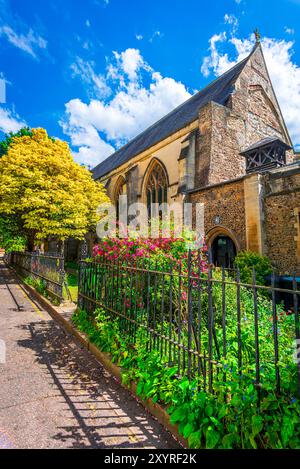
[120,190]
[156,187]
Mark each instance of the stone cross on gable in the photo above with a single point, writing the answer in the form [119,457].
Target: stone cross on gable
[257,35]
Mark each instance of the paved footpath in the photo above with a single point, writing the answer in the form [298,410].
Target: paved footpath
[54,394]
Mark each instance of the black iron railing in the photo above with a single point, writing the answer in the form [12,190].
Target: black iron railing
[210,325]
[49,268]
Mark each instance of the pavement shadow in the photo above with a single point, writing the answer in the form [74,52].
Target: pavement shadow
[105,414]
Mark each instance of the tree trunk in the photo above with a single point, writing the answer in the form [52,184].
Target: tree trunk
[30,242]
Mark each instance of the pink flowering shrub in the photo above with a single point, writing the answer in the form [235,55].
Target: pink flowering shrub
[129,248]
[159,254]
[161,251]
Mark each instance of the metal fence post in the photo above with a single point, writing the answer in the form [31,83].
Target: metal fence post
[297,330]
[256,334]
[190,312]
[210,324]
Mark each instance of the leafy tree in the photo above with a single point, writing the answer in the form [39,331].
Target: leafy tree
[11,237]
[42,186]
[5,144]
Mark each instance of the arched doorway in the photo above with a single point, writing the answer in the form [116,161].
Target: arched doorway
[223,251]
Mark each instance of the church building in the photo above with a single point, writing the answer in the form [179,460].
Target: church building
[227,147]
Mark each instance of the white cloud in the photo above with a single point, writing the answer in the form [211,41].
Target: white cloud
[87,45]
[9,121]
[102,2]
[284,72]
[232,21]
[156,35]
[139,37]
[88,23]
[27,42]
[131,62]
[290,31]
[86,138]
[216,62]
[96,82]
[141,97]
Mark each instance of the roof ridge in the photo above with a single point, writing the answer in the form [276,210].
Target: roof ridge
[201,94]
[176,108]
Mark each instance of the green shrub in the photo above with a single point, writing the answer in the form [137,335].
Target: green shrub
[37,284]
[40,286]
[73,265]
[246,261]
[228,419]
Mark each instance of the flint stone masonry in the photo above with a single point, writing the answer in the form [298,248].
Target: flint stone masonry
[281,207]
[226,201]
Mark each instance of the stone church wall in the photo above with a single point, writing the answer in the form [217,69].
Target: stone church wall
[225,201]
[282,220]
[251,114]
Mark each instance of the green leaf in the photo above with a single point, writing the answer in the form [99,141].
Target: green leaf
[250,389]
[201,399]
[179,414]
[209,410]
[172,371]
[222,412]
[181,427]
[212,437]
[148,388]
[215,421]
[188,429]
[252,441]
[195,440]
[257,424]
[287,429]
[235,401]
[139,388]
[184,384]
[229,440]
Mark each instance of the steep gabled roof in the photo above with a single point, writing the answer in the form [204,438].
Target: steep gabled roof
[218,91]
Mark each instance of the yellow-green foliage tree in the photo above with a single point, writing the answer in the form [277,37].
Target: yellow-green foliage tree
[41,185]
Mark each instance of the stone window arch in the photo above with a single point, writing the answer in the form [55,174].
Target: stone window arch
[156,187]
[121,189]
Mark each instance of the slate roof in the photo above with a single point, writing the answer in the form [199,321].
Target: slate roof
[218,91]
[265,142]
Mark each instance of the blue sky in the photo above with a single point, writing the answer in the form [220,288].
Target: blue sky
[96,73]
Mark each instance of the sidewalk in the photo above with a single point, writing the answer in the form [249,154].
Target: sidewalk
[54,394]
